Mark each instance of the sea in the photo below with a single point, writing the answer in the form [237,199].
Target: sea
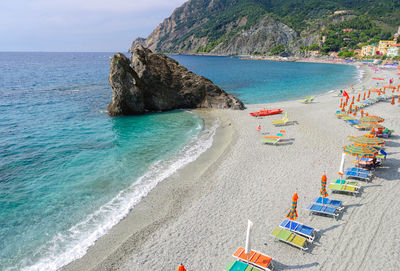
[69,172]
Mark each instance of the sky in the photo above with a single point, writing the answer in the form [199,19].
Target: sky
[79,25]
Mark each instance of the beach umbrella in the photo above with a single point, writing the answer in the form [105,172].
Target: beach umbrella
[359,96]
[360,150]
[369,140]
[392,100]
[371,118]
[362,113]
[181,268]
[352,100]
[341,102]
[323,192]
[399,99]
[247,248]
[364,96]
[355,111]
[292,214]
[369,93]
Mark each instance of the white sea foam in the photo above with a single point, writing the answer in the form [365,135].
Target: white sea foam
[67,247]
[360,74]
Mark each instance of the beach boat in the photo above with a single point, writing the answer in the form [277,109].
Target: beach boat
[267,112]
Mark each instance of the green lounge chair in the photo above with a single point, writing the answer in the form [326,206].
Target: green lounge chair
[240,266]
[290,238]
[345,187]
[282,121]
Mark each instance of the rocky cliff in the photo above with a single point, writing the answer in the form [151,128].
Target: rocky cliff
[234,27]
[156,82]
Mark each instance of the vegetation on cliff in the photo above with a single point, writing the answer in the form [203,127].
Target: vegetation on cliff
[209,26]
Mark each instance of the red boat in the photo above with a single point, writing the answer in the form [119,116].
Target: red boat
[266,112]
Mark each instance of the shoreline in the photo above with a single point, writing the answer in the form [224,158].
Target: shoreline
[144,219]
[124,246]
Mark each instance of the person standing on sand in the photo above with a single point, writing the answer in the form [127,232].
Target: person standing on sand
[181,268]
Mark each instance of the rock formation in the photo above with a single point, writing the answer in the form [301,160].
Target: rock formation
[156,82]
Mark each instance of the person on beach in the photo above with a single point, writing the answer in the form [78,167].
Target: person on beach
[181,268]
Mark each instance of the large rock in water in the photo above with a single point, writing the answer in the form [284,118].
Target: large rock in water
[156,82]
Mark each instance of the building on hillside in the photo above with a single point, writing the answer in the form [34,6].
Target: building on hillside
[357,52]
[369,50]
[393,51]
[347,30]
[340,12]
[384,45]
[397,35]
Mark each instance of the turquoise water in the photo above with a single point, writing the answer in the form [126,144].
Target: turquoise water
[255,81]
[69,172]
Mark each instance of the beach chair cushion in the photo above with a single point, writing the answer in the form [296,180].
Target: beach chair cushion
[289,237]
[305,230]
[261,260]
[254,257]
[298,240]
[327,201]
[282,234]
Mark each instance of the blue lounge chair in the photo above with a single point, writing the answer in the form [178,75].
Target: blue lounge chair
[315,208]
[300,229]
[358,175]
[360,170]
[328,201]
[353,122]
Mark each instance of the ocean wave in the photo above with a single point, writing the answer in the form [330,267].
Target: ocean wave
[67,247]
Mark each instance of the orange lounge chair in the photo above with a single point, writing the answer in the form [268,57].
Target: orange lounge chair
[255,258]
[279,135]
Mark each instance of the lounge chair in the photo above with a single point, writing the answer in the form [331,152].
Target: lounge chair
[357,174]
[347,118]
[290,238]
[278,135]
[328,202]
[344,186]
[316,208]
[353,122]
[307,99]
[273,139]
[382,155]
[282,121]
[255,259]
[298,228]
[240,266]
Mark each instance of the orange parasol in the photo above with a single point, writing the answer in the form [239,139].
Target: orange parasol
[392,101]
[352,100]
[369,93]
[359,96]
[292,214]
[323,192]
[360,150]
[181,268]
[364,96]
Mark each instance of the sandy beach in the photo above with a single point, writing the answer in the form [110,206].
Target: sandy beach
[198,216]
